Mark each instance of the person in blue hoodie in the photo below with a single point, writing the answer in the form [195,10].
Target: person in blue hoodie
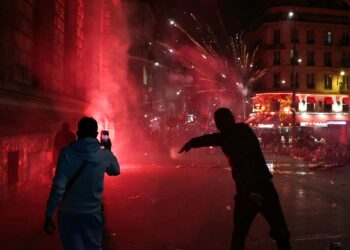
[77,189]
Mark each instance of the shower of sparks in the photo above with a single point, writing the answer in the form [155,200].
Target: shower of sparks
[243,61]
[235,64]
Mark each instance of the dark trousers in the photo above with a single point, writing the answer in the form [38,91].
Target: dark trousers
[245,211]
[81,231]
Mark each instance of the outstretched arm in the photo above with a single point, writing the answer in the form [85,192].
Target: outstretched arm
[202,141]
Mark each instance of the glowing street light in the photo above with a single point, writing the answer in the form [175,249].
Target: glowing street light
[290,14]
[172,22]
[342,73]
[156,64]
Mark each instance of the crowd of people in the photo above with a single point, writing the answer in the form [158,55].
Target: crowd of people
[306,146]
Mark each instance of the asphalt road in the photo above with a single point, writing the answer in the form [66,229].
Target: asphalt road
[187,204]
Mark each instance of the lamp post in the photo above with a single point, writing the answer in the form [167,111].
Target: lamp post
[294,62]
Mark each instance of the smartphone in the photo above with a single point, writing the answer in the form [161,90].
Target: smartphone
[104,136]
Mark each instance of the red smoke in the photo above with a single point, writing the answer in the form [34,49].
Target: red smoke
[115,104]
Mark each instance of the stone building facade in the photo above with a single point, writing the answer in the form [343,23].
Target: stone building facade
[49,61]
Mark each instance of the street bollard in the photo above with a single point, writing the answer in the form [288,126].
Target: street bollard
[335,245]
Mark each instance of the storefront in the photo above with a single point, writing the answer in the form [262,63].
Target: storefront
[324,116]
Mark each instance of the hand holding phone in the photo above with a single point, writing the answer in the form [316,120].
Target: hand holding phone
[105,141]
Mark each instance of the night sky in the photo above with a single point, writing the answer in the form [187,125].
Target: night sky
[236,14]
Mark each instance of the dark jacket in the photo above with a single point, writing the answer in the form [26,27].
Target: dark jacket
[85,194]
[242,148]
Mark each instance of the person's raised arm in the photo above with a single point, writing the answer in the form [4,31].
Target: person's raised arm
[202,141]
[113,168]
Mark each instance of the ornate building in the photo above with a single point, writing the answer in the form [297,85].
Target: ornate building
[306,49]
[49,60]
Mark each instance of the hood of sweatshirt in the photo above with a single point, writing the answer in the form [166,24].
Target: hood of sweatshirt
[86,145]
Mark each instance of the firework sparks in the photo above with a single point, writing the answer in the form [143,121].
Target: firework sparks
[236,65]
[216,64]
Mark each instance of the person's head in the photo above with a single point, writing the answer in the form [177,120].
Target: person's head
[224,119]
[87,127]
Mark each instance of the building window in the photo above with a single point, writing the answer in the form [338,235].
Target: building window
[328,81]
[328,38]
[310,81]
[344,39]
[310,104]
[293,57]
[296,80]
[277,80]
[327,108]
[344,82]
[346,105]
[310,36]
[328,102]
[310,107]
[294,37]
[277,58]
[327,59]
[310,58]
[276,36]
[345,60]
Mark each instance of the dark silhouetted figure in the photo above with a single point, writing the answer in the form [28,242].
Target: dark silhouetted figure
[77,190]
[255,192]
[62,139]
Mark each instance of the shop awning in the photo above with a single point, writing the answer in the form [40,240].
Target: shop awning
[346,101]
[310,99]
[328,100]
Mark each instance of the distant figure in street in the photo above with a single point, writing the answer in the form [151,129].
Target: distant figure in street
[255,192]
[62,139]
[77,190]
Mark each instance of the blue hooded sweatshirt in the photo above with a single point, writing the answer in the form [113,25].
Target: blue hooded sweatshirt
[85,194]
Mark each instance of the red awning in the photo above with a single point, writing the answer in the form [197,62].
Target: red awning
[297,100]
[346,101]
[311,99]
[328,100]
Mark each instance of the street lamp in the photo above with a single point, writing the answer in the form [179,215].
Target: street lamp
[290,14]
[294,62]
